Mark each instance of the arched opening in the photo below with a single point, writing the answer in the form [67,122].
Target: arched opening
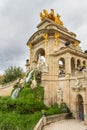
[61,65]
[72,65]
[80,107]
[78,63]
[84,64]
[40,52]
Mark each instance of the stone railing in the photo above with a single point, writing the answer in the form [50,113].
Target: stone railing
[61,75]
[49,119]
[40,124]
[79,73]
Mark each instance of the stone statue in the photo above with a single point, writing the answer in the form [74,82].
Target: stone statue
[59,96]
[42,64]
[34,83]
[43,59]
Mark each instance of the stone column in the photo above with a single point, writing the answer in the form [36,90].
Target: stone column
[75,110]
[68,65]
[68,89]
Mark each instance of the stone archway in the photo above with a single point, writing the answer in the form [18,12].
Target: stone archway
[40,51]
[61,66]
[80,107]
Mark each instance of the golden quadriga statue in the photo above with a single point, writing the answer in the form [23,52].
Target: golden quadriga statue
[51,16]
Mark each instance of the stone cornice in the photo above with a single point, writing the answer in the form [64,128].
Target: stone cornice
[70,50]
[45,20]
[38,36]
[51,22]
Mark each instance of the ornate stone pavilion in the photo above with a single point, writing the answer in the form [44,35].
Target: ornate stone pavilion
[64,75]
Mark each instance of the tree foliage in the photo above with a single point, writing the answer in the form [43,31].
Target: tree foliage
[12,73]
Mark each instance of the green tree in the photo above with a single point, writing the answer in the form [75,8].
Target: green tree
[12,73]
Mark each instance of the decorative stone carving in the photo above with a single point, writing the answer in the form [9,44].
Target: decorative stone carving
[78,84]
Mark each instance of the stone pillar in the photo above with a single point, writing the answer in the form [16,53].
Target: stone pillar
[75,110]
[68,89]
[68,65]
[68,72]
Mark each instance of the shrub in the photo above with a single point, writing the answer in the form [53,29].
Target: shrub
[8,125]
[28,101]
[55,109]
[3,103]
[39,92]
[29,106]
[64,108]
[12,73]
[7,104]
[13,121]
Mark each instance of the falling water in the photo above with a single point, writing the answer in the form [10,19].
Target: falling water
[15,93]
[29,76]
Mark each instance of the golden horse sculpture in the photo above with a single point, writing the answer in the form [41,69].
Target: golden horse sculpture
[45,13]
[42,16]
[51,16]
[57,20]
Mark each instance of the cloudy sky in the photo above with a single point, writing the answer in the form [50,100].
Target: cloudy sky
[18,21]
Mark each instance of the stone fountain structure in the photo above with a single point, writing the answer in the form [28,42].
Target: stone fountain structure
[56,51]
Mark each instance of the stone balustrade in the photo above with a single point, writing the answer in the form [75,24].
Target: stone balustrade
[49,119]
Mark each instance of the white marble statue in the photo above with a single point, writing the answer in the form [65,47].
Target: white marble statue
[42,64]
[34,83]
[43,59]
